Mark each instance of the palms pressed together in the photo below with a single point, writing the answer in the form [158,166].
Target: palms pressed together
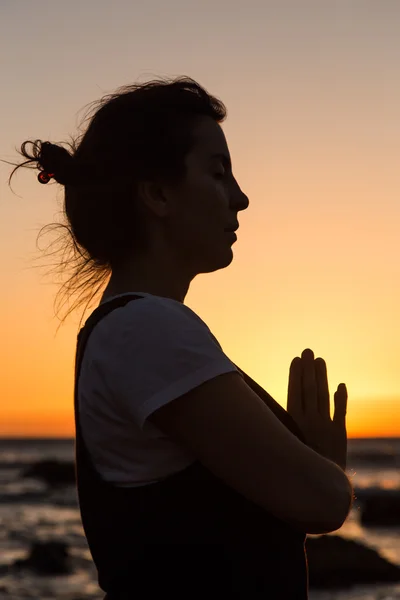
[309,404]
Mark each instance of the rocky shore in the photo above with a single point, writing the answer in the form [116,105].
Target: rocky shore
[333,561]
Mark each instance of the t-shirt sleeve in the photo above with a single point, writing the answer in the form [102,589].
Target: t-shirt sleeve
[163,351]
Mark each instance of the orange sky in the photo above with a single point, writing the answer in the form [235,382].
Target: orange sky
[312,90]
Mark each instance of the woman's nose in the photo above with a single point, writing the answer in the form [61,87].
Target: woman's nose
[241,200]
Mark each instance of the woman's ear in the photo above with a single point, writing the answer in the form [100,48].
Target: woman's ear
[152,197]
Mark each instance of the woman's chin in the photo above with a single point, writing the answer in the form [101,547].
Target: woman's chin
[218,261]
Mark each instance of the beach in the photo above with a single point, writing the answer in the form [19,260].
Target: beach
[32,511]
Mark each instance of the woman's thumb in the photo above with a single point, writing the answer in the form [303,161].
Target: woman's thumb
[340,398]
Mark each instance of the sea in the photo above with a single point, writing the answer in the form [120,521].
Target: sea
[30,511]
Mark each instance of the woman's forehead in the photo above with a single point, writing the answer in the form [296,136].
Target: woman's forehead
[209,138]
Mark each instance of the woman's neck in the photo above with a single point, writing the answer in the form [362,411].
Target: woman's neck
[159,286]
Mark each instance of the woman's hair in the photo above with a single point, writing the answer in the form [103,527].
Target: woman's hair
[142,132]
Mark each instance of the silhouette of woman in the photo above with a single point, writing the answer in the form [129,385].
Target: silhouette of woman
[192,481]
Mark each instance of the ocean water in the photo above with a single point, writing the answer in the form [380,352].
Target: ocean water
[30,512]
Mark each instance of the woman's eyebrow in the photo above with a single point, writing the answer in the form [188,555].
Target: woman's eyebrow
[225,159]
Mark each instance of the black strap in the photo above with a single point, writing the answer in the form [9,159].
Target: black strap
[99,313]
[83,336]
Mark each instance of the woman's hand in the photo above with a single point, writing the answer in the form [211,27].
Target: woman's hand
[309,405]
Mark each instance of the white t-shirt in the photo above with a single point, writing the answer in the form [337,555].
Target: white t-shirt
[138,358]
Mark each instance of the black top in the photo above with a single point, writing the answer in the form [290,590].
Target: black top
[189,535]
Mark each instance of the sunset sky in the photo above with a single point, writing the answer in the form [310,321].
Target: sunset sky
[312,89]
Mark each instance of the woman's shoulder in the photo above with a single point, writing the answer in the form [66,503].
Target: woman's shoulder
[149,312]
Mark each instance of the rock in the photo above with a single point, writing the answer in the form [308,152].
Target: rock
[386,459]
[64,496]
[379,508]
[52,472]
[27,497]
[47,558]
[336,562]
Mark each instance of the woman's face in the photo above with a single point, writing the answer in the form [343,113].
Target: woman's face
[206,202]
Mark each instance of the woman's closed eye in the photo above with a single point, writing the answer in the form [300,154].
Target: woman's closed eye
[220,174]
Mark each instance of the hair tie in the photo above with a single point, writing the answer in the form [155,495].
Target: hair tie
[44,177]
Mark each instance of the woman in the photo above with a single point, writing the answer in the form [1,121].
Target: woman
[192,480]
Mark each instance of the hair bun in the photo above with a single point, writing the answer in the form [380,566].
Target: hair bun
[57,161]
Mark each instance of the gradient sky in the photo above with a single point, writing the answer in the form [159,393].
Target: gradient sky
[313,95]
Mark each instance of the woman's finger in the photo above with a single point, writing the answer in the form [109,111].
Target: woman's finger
[323,388]
[309,382]
[294,399]
[340,398]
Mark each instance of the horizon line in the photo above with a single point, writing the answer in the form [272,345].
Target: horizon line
[72,438]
